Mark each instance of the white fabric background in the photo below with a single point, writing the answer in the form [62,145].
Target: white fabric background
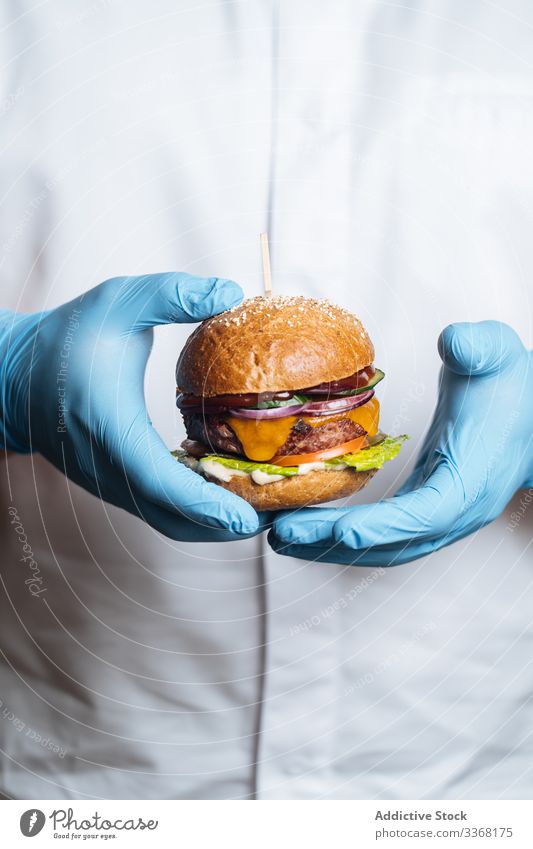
[388,151]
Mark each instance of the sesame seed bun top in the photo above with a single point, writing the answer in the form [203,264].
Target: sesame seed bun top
[272,345]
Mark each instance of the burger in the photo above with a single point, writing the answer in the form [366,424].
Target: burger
[278,400]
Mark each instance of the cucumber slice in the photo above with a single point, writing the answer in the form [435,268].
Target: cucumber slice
[378,375]
[301,399]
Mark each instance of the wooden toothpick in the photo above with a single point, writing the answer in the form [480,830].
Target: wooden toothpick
[267,273]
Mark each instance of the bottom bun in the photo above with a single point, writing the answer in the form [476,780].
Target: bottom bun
[298,491]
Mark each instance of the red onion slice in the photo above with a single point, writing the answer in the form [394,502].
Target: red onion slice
[336,405]
[311,408]
[270,413]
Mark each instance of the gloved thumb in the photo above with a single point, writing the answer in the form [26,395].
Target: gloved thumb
[479,348]
[141,302]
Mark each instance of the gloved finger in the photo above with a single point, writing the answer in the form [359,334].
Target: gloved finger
[153,474]
[102,481]
[480,348]
[334,553]
[425,513]
[141,302]
[186,530]
[380,556]
[310,525]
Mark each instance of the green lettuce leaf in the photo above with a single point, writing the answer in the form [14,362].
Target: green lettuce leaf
[249,466]
[373,457]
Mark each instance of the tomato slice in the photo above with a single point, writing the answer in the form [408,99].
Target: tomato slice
[194,403]
[318,456]
[354,381]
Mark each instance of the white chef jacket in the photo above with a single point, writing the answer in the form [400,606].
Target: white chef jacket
[387,149]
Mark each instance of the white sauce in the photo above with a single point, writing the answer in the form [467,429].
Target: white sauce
[262,477]
[223,473]
[305,468]
[220,472]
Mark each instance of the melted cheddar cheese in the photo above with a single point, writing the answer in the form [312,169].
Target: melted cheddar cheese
[262,439]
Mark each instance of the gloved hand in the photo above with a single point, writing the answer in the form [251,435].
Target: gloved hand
[72,388]
[477,454]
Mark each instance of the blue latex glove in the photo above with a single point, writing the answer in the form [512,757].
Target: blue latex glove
[72,382]
[477,454]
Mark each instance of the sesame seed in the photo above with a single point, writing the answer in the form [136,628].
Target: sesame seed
[263,308]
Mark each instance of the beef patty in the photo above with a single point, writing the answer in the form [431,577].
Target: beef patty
[304,439]
[216,433]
